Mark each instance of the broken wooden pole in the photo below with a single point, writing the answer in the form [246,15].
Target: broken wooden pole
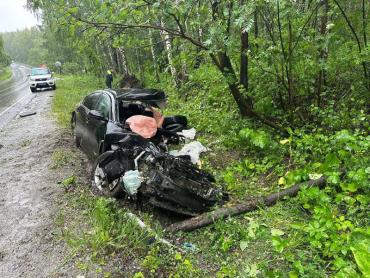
[208,218]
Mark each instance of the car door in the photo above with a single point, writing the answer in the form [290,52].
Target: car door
[82,119]
[98,127]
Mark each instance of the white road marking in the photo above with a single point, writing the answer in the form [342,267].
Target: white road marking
[19,100]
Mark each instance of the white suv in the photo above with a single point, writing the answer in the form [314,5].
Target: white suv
[41,78]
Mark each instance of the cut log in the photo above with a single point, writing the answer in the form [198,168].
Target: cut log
[209,218]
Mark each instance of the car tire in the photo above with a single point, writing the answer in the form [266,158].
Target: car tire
[117,190]
[33,90]
[53,87]
[178,119]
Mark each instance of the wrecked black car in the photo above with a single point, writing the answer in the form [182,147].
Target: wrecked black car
[127,137]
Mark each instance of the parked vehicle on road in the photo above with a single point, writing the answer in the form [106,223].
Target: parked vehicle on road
[41,78]
[112,128]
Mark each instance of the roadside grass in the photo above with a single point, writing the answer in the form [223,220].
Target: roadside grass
[238,247]
[105,241]
[103,238]
[70,91]
[5,73]
[62,157]
[264,243]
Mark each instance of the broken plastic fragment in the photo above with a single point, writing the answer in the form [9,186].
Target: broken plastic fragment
[188,133]
[189,246]
[26,114]
[193,149]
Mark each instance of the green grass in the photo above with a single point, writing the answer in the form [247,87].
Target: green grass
[263,243]
[70,91]
[5,74]
[62,157]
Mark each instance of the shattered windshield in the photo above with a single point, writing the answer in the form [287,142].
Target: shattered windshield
[40,71]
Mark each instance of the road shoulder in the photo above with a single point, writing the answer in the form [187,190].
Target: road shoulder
[30,195]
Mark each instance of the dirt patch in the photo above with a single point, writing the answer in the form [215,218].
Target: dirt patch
[29,197]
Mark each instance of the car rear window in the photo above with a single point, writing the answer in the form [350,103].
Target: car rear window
[91,100]
[40,71]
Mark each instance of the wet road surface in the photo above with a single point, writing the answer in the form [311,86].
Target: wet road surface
[14,89]
[14,94]
[30,196]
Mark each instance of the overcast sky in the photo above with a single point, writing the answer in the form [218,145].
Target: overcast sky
[13,16]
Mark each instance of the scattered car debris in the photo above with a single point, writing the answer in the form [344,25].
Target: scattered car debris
[27,113]
[189,247]
[143,226]
[192,149]
[188,133]
[129,140]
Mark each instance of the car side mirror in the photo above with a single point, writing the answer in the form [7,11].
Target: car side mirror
[97,115]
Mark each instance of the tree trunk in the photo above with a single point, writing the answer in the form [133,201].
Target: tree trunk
[125,69]
[139,65]
[209,218]
[321,78]
[119,61]
[357,39]
[255,15]
[154,57]
[245,104]
[289,65]
[113,60]
[168,46]
[244,59]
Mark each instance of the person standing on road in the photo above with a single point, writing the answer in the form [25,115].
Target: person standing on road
[109,79]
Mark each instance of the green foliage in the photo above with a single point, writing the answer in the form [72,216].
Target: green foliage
[257,139]
[359,245]
[61,157]
[4,59]
[5,73]
[71,90]
[109,230]
[305,73]
[69,181]
[341,208]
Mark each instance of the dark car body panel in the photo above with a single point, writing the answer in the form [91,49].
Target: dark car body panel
[98,135]
[151,96]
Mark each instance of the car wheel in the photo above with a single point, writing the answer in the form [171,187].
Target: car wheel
[53,87]
[33,90]
[99,182]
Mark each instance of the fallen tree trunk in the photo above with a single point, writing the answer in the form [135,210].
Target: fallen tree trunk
[208,218]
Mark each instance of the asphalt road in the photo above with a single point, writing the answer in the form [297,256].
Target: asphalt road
[30,197]
[14,94]
[14,89]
